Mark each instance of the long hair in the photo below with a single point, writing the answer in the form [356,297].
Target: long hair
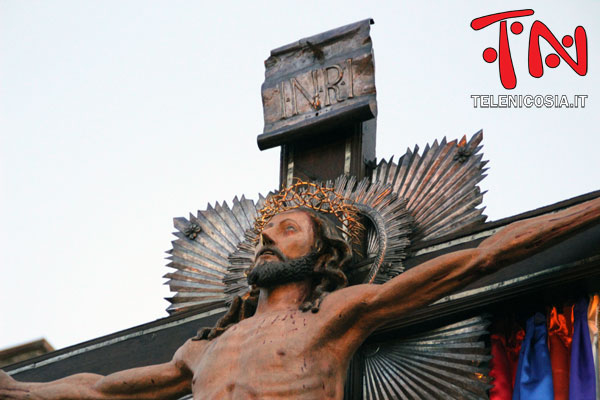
[333,253]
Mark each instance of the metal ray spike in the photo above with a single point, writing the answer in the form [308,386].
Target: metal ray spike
[391,170]
[229,220]
[240,215]
[436,186]
[404,164]
[381,168]
[221,227]
[210,232]
[455,183]
[437,175]
[429,163]
[429,365]
[414,163]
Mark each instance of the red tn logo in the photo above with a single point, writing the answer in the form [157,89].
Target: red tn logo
[538,30]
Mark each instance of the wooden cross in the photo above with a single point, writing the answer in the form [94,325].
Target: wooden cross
[319,105]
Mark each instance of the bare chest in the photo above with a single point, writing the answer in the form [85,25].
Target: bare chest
[278,356]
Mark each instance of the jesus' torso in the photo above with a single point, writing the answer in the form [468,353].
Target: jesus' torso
[278,355]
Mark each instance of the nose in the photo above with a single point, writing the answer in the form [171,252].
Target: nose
[265,239]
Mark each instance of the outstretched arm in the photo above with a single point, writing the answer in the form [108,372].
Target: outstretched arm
[436,278]
[164,381]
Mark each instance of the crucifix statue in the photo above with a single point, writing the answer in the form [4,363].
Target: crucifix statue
[295,322]
[293,335]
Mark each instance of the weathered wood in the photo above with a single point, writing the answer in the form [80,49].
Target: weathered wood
[151,343]
[24,352]
[318,81]
[319,105]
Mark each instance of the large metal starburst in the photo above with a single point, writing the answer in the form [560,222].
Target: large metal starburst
[419,198]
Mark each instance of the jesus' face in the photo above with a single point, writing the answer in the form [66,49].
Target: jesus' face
[287,236]
[284,253]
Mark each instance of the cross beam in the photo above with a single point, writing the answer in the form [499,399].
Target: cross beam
[319,105]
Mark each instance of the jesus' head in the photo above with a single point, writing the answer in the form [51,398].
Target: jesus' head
[295,245]
[298,245]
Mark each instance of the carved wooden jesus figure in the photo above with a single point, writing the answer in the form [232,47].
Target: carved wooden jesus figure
[297,340]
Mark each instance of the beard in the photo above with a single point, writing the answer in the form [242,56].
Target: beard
[274,273]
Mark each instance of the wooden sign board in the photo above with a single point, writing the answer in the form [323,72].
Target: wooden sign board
[318,82]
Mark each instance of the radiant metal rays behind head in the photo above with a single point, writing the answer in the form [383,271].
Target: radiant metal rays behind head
[421,197]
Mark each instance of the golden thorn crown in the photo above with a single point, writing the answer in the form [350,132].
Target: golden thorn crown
[315,197]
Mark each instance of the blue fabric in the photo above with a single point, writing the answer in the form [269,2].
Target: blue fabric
[582,381]
[534,373]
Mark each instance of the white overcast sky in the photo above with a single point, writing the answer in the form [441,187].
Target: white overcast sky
[116,116]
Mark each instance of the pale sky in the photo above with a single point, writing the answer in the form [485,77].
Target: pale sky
[117,116]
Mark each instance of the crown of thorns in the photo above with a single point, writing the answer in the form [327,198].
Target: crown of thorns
[315,197]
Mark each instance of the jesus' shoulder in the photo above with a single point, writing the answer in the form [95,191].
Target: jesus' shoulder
[354,312]
[363,308]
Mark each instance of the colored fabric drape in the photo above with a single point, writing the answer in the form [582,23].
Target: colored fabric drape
[593,328]
[506,338]
[500,369]
[582,380]
[560,333]
[534,374]
[513,348]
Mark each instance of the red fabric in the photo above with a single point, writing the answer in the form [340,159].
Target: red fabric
[500,369]
[513,347]
[505,341]
[560,334]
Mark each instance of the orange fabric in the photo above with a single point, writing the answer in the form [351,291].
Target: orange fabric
[560,334]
